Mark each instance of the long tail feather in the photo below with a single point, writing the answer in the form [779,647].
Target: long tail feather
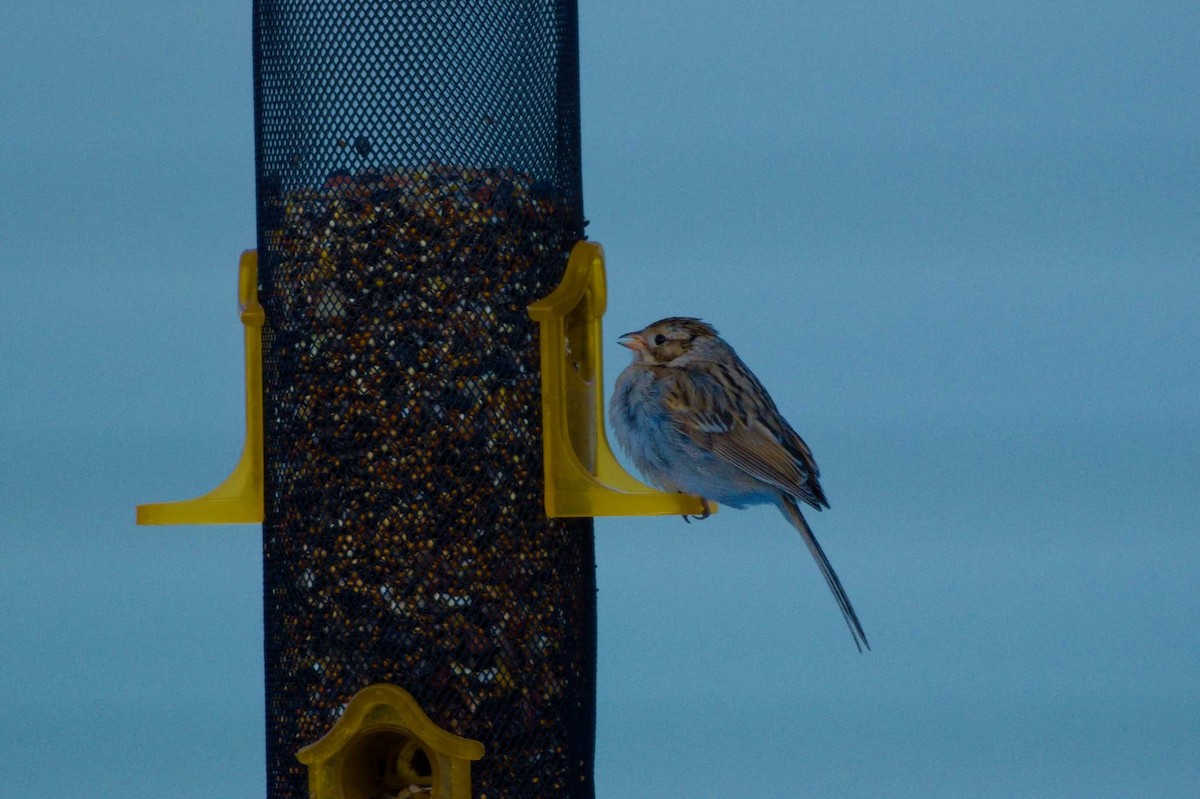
[793,514]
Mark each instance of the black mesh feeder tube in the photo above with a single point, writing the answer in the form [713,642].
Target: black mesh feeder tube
[418,184]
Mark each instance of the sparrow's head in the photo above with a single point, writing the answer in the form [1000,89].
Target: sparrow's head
[668,340]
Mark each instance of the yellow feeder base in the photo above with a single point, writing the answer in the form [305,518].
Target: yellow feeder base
[385,745]
[239,499]
[583,477]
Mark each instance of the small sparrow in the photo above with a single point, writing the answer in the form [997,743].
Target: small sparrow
[696,420]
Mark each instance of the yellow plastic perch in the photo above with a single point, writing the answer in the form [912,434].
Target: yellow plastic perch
[583,477]
[238,500]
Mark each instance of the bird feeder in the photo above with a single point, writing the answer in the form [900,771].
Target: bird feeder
[418,186]
[421,456]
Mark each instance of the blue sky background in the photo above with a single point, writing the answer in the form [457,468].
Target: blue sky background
[957,241]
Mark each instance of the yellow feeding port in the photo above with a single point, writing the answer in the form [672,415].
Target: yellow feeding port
[239,499]
[385,745]
[583,477]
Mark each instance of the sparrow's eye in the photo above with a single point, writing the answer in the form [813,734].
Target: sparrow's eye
[659,340]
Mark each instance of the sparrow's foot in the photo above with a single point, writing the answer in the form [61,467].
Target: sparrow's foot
[703,516]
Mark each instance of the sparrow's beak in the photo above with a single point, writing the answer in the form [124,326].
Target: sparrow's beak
[633,341]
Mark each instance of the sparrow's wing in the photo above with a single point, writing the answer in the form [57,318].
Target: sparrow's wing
[701,407]
[754,450]
[779,430]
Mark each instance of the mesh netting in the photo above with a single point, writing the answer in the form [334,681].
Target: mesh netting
[418,183]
